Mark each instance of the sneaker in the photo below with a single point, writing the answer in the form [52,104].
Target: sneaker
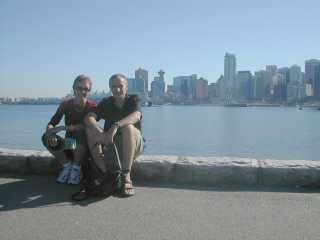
[75,175]
[64,174]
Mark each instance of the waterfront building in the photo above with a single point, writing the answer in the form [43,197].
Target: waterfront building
[295,75]
[279,87]
[142,74]
[312,75]
[202,90]
[171,94]
[220,87]
[296,92]
[213,90]
[260,85]
[137,86]
[271,71]
[158,88]
[131,85]
[230,68]
[244,85]
[309,90]
[285,71]
[185,87]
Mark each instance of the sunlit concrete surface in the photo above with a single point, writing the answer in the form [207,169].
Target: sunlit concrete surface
[35,207]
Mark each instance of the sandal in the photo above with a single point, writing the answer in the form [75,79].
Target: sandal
[127,189]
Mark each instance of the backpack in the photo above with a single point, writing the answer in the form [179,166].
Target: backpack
[101,177]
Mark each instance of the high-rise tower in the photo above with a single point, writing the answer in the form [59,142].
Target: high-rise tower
[230,68]
[142,74]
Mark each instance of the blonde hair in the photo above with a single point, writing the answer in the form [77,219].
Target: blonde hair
[81,78]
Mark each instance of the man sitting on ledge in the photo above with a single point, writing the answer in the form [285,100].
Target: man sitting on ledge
[122,115]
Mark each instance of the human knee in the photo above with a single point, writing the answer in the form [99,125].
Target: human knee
[127,129]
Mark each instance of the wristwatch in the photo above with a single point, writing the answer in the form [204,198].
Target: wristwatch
[117,124]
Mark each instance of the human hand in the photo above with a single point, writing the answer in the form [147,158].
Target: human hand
[109,135]
[50,126]
[52,141]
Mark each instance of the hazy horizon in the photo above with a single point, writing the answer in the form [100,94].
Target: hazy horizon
[45,45]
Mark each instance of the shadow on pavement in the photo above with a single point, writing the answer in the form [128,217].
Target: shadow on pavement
[34,191]
[202,187]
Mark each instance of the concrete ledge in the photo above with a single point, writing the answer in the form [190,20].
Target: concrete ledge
[210,171]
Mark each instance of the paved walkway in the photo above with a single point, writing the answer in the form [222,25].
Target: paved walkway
[35,207]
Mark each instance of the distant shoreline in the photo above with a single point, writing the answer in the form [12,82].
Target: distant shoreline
[182,105]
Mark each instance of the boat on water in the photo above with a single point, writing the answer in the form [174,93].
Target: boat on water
[150,104]
[236,105]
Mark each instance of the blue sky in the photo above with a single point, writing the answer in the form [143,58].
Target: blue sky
[44,45]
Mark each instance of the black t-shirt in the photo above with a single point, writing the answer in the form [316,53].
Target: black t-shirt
[108,111]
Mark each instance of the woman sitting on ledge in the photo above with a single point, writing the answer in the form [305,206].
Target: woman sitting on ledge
[72,150]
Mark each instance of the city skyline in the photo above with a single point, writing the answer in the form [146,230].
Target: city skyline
[44,46]
[237,78]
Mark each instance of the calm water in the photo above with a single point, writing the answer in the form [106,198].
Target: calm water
[258,132]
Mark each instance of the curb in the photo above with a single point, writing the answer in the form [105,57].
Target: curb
[208,171]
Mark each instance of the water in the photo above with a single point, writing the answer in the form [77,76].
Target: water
[257,132]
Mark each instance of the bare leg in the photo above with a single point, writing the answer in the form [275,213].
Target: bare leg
[129,143]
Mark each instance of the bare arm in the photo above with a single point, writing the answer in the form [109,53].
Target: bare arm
[130,119]
[91,122]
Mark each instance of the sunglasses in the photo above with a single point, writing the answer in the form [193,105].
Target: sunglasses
[83,89]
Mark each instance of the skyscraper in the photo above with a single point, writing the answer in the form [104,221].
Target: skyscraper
[230,66]
[295,74]
[261,87]
[271,71]
[202,90]
[312,75]
[244,85]
[185,87]
[142,74]
[158,88]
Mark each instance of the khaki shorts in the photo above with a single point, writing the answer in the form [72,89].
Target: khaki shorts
[138,143]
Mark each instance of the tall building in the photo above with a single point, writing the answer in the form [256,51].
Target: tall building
[158,88]
[142,74]
[131,85]
[295,74]
[261,86]
[312,75]
[213,90]
[279,89]
[296,91]
[202,90]
[220,87]
[286,72]
[185,87]
[271,71]
[244,85]
[136,86]
[230,68]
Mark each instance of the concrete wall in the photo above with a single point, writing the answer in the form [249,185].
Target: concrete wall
[209,171]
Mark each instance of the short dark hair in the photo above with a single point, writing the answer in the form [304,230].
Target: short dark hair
[81,78]
[117,76]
